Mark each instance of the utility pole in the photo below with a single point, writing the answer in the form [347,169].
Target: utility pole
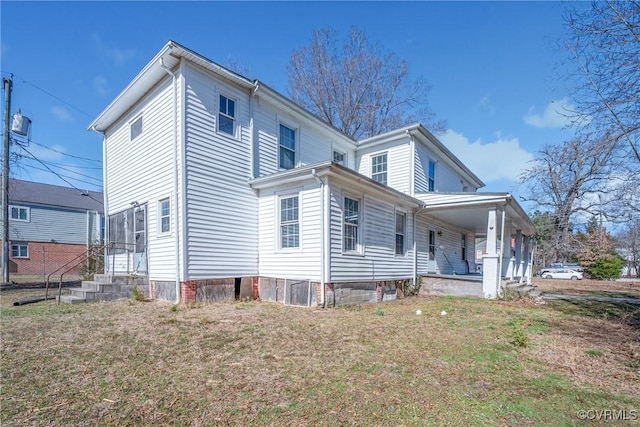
[5,180]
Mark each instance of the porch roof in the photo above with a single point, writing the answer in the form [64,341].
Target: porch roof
[469,210]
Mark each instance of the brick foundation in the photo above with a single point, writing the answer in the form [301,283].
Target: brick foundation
[188,292]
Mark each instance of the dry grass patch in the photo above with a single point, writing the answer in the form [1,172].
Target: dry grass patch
[622,288]
[137,363]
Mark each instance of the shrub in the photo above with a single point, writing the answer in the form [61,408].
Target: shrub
[413,287]
[606,267]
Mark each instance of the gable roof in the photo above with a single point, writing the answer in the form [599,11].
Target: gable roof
[53,195]
[168,58]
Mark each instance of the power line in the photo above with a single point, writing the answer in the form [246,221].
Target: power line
[65,154]
[55,97]
[63,168]
[61,177]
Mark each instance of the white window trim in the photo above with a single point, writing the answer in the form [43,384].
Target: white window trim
[285,195]
[19,244]
[405,235]
[335,151]
[235,118]
[360,241]
[296,144]
[26,208]
[386,171]
[435,175]
[131,123]
[159,231]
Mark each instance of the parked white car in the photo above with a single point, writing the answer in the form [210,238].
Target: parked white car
[563,274]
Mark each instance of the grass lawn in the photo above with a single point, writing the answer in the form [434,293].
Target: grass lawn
[250,363]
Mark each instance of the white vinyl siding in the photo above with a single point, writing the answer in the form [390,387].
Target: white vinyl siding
[398,164]
[46,223]
[221,207]
[144,171]
[447,240]
[301,263]
[377,259]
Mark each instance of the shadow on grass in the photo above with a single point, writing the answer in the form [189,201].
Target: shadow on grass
[627,314]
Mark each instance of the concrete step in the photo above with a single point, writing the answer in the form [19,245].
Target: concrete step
[91,295]
[92,285]
[70,299]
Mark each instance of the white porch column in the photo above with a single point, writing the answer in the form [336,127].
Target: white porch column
[507,260]
[490,265]
[519,262]
[526,271]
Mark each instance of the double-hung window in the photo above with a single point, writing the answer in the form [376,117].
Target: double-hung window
[432,176]
[379,168]
[19,250]
[227,115]
[19,213]
[401,232]
[351,225]
[289,222]
[287,151]
[164,208]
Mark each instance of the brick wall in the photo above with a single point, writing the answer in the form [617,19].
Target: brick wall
[45,258]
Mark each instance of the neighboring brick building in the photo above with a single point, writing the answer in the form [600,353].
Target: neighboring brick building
[50,225]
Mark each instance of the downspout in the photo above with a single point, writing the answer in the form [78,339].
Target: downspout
[105,200]
[415,243]
[504,214]
[322,237]
[175,177]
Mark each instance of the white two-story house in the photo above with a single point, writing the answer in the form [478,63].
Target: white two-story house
[217,186]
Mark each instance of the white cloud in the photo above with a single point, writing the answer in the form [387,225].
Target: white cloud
[61,114]
[99,84]
[558,114]
[486,105]
[119,56]
[502,159]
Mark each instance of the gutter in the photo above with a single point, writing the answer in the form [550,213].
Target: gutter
[175,177]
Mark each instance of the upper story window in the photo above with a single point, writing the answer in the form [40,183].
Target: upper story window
[19,250]
[432,176]
[164,216]
[351,225]
[289,222]
[20,213]
[339,157]
[287,148]
[379,168]
[401,231]
[227,115]
[135,129]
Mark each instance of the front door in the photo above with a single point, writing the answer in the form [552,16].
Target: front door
[431,264]
[140,236]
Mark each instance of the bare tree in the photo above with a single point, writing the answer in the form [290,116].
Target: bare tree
[566,181]
[357,87]
[605,44]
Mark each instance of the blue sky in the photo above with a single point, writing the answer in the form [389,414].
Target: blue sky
[493,67]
